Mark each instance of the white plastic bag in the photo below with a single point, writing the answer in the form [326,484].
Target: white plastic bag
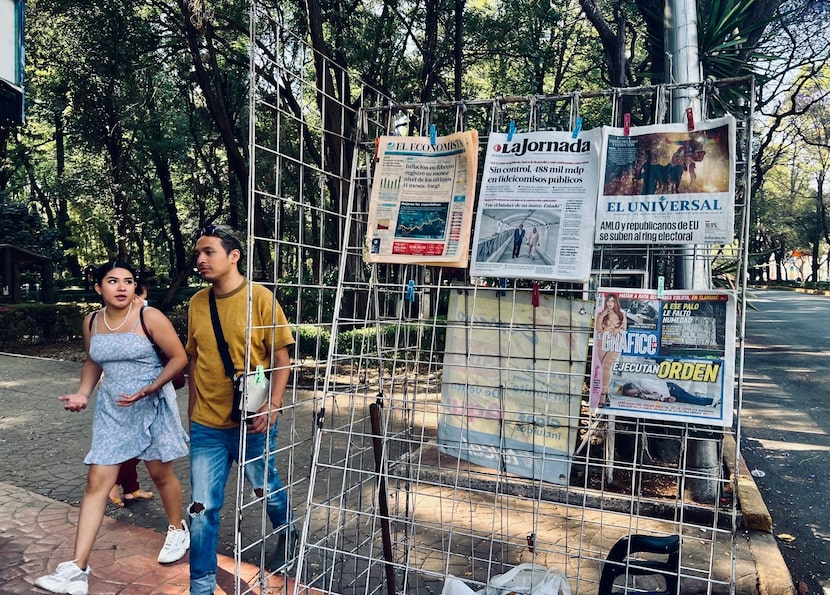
[528,579]
[455,586]
[524,579]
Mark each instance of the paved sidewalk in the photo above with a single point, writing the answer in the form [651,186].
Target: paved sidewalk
[38,533]
[41,452]
[41,458]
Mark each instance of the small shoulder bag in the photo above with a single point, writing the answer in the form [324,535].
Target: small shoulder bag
[253,387]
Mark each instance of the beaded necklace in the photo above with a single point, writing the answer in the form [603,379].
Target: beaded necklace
[126,316]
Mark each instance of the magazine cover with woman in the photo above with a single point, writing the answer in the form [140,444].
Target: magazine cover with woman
[666,355]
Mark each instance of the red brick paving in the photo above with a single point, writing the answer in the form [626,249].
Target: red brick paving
[37,533]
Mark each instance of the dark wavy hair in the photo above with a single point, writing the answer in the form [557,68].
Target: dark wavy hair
[227,235]
[117,263]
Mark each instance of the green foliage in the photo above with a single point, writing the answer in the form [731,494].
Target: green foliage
[41,323]
[393,339]
[725,28]
[528,47]
[178,317]
[33,323]
[139,163]
[312,341]
[24,228]
[137,125]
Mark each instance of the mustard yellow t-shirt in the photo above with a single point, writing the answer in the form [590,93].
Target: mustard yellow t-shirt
[269,332]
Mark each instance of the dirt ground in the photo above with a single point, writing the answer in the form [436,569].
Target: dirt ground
[70,351]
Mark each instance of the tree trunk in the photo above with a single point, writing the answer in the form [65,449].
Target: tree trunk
[209,76]
[430,45]
[333,101]
[62,220]
[459,48]
[821,226]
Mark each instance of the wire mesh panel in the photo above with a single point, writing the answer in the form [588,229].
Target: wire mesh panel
[390,486]
[301,149]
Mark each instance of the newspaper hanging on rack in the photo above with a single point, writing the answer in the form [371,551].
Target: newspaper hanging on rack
[512,382]
[537,206]
[669,356]
[665,184]
[421,204]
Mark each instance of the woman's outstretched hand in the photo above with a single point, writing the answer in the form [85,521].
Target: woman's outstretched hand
[74,402]
[125,400]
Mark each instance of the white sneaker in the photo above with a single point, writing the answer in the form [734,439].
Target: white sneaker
[67,578]
[175,545]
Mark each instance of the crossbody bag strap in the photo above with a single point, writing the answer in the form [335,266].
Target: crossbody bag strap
[147,332]
[220,338]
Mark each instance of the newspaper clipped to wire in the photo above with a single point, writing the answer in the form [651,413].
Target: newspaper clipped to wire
[665,184]
[668,355]
[537,206]
[421,204]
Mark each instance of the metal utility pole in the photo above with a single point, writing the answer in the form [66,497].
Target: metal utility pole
[692,266]
[459,48]
[683,66]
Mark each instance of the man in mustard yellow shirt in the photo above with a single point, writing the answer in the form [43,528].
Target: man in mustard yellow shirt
[214,436]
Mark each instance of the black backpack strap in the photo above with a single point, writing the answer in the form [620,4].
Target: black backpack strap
[144,326]
[147,333]
[92,320]
[230,371]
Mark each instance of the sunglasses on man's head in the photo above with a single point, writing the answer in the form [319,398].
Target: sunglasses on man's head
[219,231]
[214,230]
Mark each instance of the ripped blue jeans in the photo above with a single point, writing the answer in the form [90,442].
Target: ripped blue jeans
[212,451]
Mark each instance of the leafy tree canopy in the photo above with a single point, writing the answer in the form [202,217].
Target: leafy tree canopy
[23,227]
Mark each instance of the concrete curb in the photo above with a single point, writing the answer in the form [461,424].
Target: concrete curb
[774,577]
[755,513]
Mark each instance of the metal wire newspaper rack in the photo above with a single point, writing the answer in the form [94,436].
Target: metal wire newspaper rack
[385,502]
